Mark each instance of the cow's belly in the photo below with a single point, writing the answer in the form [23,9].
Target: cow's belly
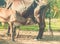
[3,20]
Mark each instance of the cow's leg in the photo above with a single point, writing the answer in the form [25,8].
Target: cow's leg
[41,22]
[41,30]
[9,26]
[50,30]
[8,32]
[41,26]
[18,32]
[12,32]
[9,29]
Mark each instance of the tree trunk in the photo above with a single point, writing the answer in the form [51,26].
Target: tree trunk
[50,29]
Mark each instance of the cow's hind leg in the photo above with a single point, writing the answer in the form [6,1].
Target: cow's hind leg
[8,31]
[12,32]
[39,15]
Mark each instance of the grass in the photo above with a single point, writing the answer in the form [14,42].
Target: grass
[30,27]
[55,25]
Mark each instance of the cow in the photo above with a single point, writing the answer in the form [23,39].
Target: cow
[12,17]
[32,10]
[24,11]
[5,15]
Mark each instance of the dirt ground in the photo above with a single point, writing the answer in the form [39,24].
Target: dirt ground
[28,37]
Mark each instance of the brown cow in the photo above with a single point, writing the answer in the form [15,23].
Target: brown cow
[5,16]
[11,16]
[21,6]
[26,11]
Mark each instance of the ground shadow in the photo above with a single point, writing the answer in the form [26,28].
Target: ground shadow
[29,37]
[49,38]
[2,41]
[45,37]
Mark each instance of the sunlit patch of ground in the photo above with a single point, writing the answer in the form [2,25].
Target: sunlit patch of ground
[28,37]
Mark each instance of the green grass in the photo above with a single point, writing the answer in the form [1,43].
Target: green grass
[55,25]
[30,27]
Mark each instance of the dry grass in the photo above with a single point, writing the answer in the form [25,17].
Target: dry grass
[27,37]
